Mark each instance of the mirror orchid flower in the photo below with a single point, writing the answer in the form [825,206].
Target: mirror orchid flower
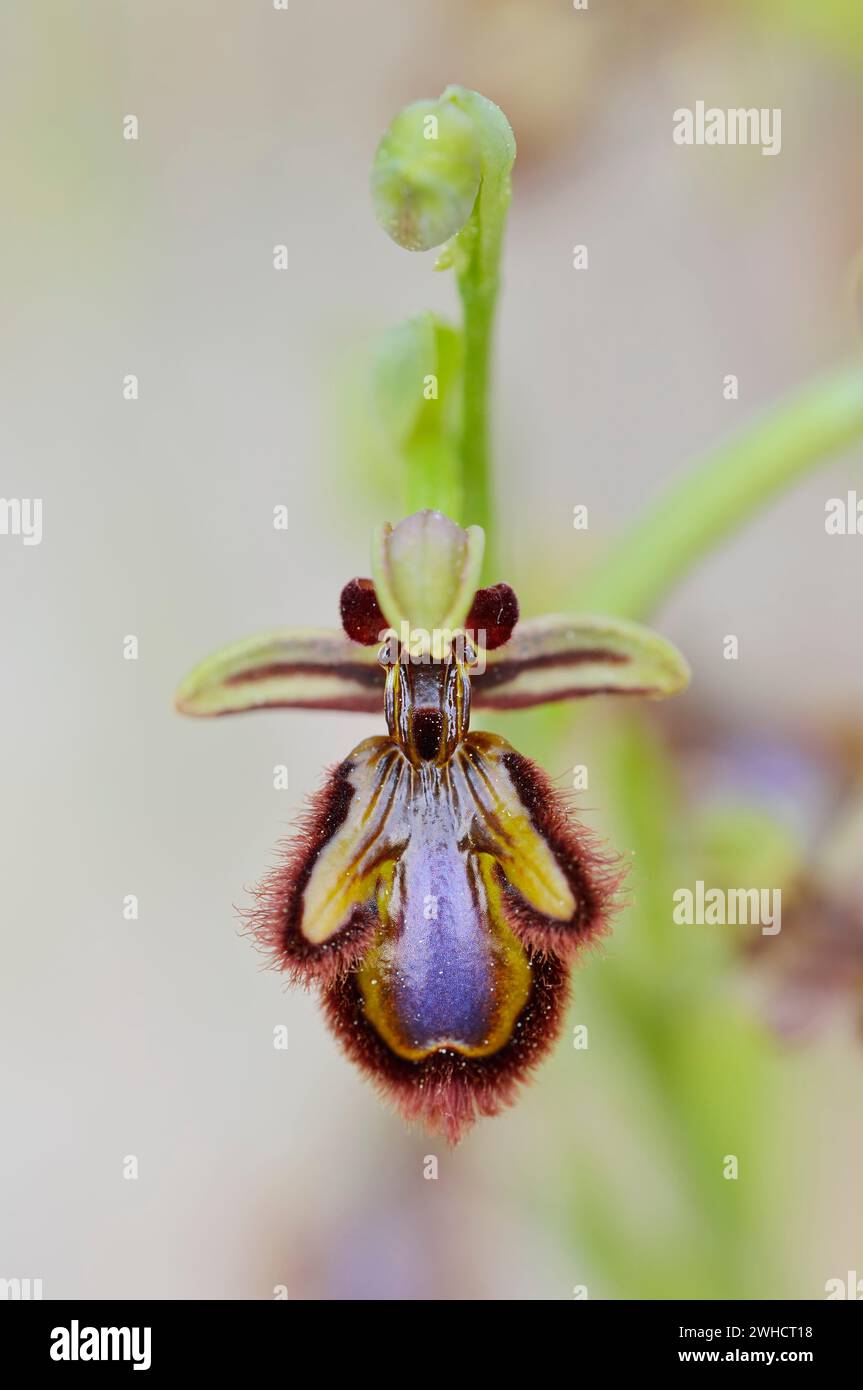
[437,887]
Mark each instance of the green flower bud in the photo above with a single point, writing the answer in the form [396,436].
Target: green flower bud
[415,376]
[426,174]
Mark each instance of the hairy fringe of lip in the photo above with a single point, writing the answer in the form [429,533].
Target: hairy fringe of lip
[447,1090]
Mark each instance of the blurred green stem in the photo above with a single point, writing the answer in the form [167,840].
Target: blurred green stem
[643,564]
[422,429]
[432,476]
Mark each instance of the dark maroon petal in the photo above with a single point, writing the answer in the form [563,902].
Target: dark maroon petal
[493,612]
[362,618]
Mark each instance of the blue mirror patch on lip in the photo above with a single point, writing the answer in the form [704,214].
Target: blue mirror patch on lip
[443,983]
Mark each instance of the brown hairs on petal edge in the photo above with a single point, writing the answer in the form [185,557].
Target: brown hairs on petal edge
[274,920]
[594,873]
[446,1091]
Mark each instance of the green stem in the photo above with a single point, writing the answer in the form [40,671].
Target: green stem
[479,305]
[732,482]
[441,177]
[432,476]
[476,255]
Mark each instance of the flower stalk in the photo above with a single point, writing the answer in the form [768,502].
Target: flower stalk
[441,177]
[478,276]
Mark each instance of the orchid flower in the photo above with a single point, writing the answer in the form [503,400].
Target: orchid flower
[437,885]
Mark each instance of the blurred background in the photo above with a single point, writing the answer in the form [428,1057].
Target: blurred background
[154,1037]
